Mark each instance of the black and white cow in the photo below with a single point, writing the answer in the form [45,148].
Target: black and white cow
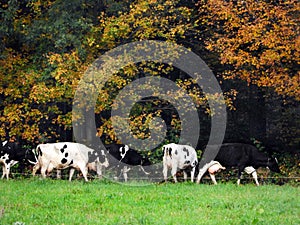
[124,157]
[179,157]
[11,154]
[246,158]
[213,167]
[63,155]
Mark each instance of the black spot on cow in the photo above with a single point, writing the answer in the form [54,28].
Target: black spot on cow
[170,151]
[187,162]
[71,162]
[187,151]
[7,161]
[63,148]
[176,152]
[66,155]
[64,160]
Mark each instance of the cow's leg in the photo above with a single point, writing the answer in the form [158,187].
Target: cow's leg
[35,168]
[254,175]
[184,175]
[213,178]
[125,170]
[44,166]
[43,171]
[7,171]
[240,170]
[58,174]
[200,174]
[72,170]
[165,172]
[173,172]
[3,171]
[239,177]
[99,169]
[84,171]
[193,174]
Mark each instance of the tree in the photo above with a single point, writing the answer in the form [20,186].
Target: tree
[258,41]
[41,55]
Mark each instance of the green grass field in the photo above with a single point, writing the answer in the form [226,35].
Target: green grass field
[35,201]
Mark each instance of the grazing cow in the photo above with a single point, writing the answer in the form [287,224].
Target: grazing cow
[95,166]
[129,157]
[11,154]
[63,155]
[179,157]
[246,158]
[214,167]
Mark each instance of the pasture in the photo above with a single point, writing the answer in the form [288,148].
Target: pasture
[35,201]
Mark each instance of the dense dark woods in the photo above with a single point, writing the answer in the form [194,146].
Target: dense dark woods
[251,46]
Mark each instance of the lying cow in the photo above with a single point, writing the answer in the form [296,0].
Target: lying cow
[125,157]
[246,158]
[180,157]
[63,155]
[11,154]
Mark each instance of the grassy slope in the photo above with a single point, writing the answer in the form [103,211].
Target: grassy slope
[34,201]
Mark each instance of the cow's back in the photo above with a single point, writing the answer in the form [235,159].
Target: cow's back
[63,154]
[183,154]
[232,154]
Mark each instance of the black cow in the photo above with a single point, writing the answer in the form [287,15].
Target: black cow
[11,154]
[244,157]
[125,157]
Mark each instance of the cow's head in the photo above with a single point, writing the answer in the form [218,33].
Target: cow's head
[103,158]
[123,150]
[4,159]
[99,156]
[273,164]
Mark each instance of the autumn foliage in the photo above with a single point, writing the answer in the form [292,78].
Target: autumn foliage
[258,40]
[46,47]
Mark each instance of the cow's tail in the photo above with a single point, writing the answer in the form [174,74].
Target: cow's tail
[37,153]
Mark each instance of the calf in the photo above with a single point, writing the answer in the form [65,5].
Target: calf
[179,157]
[11,154]
[246,158]
[63,155]
[126,157]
